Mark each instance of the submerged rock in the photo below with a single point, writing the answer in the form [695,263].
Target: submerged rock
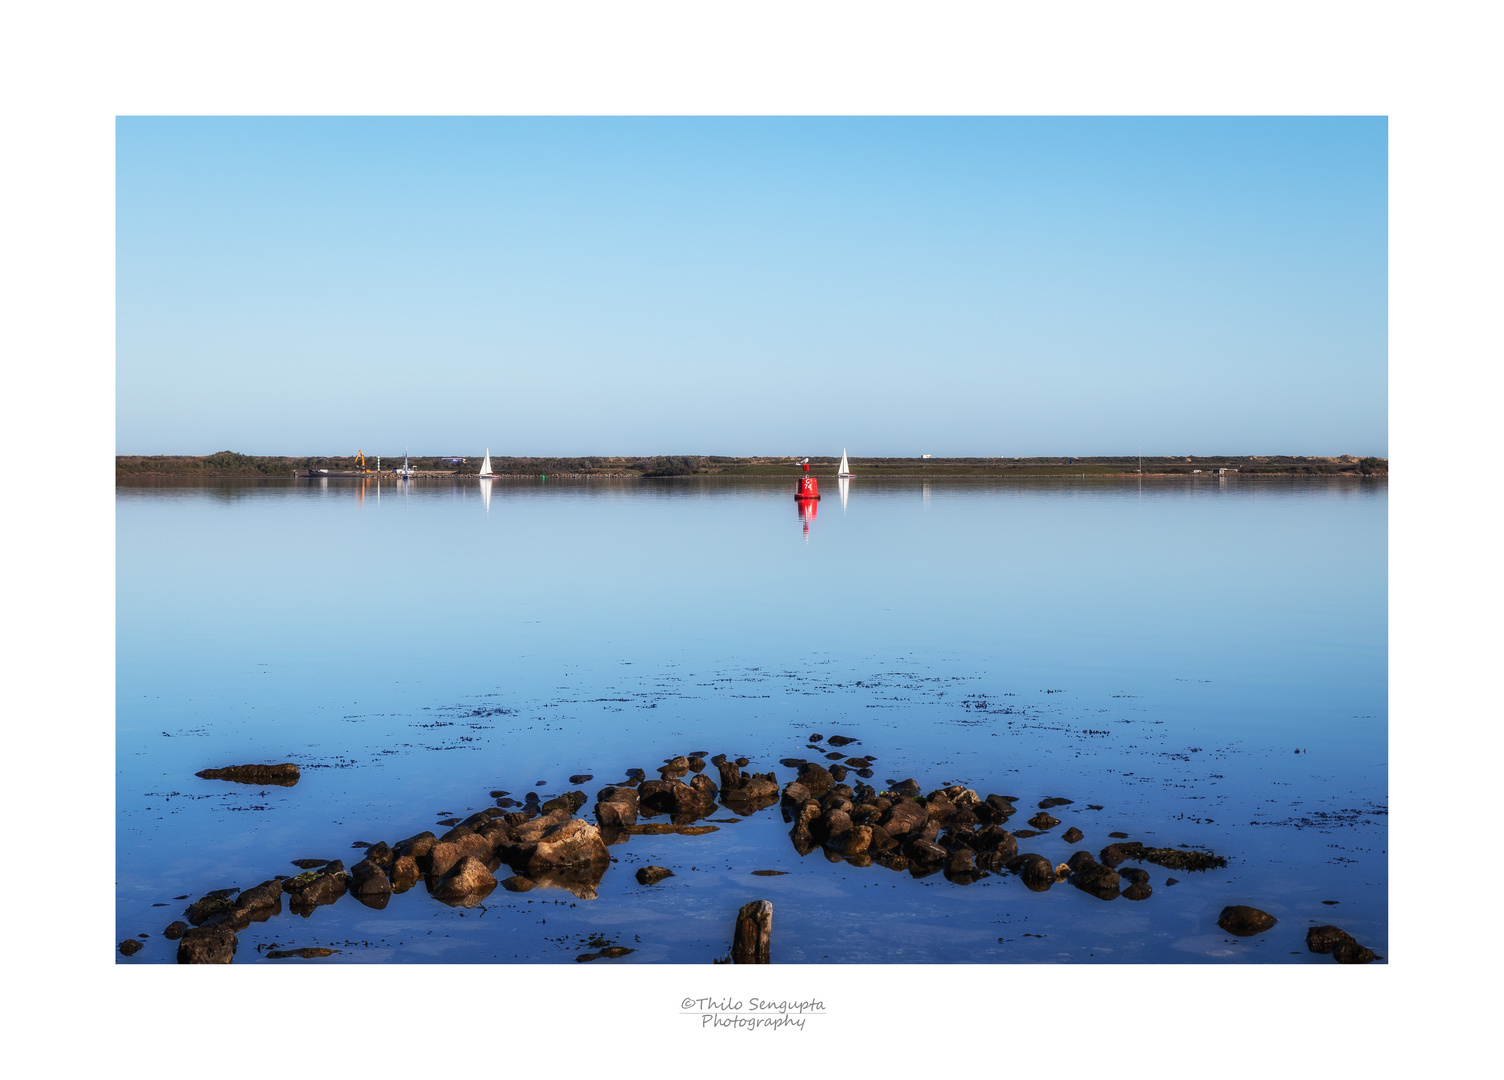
[129,947]
[652,875]
[284,775]
[1244,921]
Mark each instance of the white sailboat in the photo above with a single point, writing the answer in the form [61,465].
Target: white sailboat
[845,468]
[406,472]
[485,466]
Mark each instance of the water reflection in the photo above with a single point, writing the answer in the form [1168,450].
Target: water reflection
[807,510]
[844,483]
[485,494]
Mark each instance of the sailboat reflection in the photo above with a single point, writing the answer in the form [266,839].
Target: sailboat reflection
[807,510]
[485,494]
[844,483]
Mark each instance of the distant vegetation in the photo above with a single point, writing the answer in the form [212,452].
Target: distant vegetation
[228,463]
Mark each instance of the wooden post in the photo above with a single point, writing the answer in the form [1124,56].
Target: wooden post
[753,940]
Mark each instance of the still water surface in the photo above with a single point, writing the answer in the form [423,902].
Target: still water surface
[1161,650]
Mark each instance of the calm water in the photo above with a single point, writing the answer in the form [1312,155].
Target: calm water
[1159,650]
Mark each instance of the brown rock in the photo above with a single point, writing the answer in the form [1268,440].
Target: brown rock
[616,807]
[284,775]
[1072,835]
[1043,821]
[405,873]
[207,945]
[129,947]
[1322,939]
[574,842]
[1350,952]
[469,879]
[1243,921]
[652,875]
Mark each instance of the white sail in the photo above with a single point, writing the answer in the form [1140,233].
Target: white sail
[485,466]
[845,468]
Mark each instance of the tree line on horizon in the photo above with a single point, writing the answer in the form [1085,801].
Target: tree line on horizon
[230,463]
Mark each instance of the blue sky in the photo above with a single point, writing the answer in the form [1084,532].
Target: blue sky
[961,286]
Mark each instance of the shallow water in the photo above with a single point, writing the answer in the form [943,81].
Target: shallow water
[1161,650]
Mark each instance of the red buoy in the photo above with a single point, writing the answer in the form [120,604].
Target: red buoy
[809,488]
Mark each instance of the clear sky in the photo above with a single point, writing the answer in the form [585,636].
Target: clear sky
[567,286]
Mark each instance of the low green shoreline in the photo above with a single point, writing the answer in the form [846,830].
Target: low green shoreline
[228,463]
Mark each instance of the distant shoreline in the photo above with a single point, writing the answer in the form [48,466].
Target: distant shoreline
[229,464]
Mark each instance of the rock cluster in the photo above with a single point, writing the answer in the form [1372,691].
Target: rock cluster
[1340,944]
[951,831]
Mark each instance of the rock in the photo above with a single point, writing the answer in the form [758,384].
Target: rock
[262,901]
[405,873]
[417,846]
[381,854]
[1244,921]
[960,868]
[212,908]
[129,947]
[905,818]
[369,879]
[575,842]
[207,945]
[175,930]
[447,854]
[815,778]
[1072,835]
[1054,800]
[731,775]
[1322,939]
[312,890]
[310,953]
[1101,881]
[1350,952]
[652,875]
[582,778]
[995,810]
[1139,890]
[616,807]
[752,938]
[470,880]
[518,883]
[569,802]
[840,740]
[1043,821]
[830,824]
[909,789]
[855,841]
[925,852]
[1080,859]
[676,798]
[1035,871]
[284,775]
